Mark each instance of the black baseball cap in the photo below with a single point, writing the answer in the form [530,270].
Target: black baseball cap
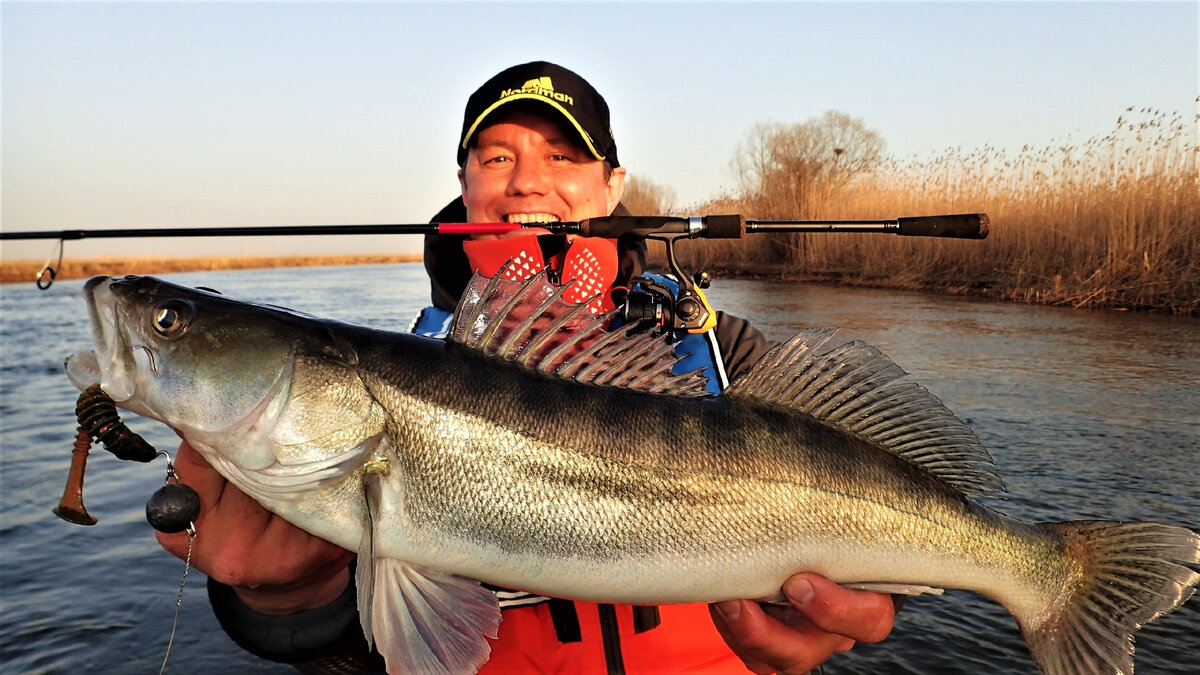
[558,88]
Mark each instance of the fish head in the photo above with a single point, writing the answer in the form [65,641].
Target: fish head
[193,359]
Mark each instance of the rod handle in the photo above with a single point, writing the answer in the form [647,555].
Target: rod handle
[613,227]
[959,226]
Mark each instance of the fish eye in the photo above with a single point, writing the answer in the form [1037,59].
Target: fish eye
[172,317]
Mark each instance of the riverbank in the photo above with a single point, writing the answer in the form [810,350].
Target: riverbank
[1054,294]
[12,271]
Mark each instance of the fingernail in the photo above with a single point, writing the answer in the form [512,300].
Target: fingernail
[799,592]
[731,610]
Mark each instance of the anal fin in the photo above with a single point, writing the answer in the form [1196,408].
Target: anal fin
[896,589]
[873,586]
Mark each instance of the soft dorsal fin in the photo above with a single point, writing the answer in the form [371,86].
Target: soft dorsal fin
[853,387]
[529,323]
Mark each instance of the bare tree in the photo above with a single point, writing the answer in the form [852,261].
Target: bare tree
[791,170]
[644,197]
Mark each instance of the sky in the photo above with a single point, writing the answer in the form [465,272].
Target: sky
[174,114]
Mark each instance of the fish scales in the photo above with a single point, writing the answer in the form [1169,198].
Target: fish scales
[680,486]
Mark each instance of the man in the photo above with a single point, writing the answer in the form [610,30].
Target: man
[536,147]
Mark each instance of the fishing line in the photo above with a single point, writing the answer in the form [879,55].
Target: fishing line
[187,565]
[174,508]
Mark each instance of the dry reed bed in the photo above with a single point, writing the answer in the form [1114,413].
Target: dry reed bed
[1111,222]
[27,270]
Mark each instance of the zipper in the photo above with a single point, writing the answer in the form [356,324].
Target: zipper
[610,636]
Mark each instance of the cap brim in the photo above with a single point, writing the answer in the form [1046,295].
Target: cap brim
[583,135]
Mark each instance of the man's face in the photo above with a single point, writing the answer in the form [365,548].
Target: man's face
[524,168]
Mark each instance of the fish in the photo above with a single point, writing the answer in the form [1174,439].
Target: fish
[541,448]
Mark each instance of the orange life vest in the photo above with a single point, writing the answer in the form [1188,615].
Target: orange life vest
[609,640]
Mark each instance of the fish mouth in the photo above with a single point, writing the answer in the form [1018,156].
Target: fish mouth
[83,368]
[112,363]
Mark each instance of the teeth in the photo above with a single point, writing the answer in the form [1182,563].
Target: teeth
[531,218]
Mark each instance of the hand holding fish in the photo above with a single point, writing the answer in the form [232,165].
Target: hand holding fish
[822,619]
[273,566]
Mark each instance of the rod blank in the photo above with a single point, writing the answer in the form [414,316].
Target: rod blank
[961,226]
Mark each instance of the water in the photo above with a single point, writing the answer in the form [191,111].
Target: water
[1089,415]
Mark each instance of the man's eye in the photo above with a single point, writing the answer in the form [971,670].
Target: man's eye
[560,158]
[496,160]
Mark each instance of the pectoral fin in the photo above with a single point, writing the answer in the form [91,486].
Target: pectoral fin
[364,574]
[420,620]
[428,622]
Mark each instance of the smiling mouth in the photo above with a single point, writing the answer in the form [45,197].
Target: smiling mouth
[531,218]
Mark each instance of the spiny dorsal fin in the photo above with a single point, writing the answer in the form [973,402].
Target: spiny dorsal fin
[528,322]
[853,387]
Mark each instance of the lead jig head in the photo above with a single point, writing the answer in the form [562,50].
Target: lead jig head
[174,507]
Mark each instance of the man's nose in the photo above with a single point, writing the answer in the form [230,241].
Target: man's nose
[528,177]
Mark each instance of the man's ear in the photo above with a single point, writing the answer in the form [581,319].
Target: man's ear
[616,187]
[462,183]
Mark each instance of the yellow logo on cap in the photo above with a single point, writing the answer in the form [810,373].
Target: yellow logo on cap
[539,87]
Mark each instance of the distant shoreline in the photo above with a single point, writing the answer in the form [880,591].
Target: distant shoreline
[13,271]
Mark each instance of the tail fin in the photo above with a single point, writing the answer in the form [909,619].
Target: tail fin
[1122,575]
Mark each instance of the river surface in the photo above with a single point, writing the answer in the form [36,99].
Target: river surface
[1088,415]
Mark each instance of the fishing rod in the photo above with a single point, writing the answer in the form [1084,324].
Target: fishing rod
[963,226]
[679,310]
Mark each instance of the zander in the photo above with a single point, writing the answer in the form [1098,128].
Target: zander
[535,449]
